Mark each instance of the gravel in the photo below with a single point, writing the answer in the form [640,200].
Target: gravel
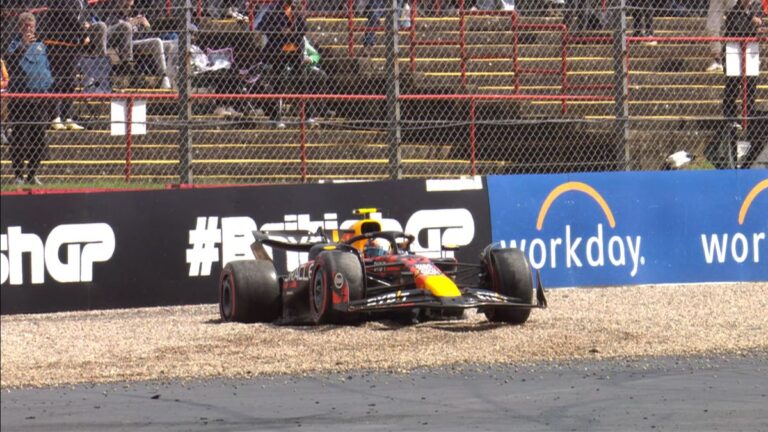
[190,342]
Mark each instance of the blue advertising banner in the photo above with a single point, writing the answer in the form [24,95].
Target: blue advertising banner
[631,228]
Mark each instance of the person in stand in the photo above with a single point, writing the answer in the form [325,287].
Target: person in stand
[131,29]
[64,35]
[3,101]
[643,12]
[375,10]
[95,30]
[582,15]
[743,20]
[715,15]
[29,72]
[284,52]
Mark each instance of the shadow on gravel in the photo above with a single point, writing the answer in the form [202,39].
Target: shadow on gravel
[458,327]
[453,326]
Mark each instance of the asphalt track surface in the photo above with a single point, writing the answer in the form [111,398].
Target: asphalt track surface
[728,393]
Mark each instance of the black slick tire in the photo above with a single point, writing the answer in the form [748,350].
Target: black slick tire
[333,271]
[509,273]
[249,292]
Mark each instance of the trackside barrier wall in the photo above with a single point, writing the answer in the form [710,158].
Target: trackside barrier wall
[636,227]
[150,248]
[79,251]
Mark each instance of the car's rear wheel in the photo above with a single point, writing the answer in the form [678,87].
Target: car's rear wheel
[249,292]
[334,272]
[508,273]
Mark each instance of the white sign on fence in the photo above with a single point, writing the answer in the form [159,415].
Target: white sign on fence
[119,116]
[733,59]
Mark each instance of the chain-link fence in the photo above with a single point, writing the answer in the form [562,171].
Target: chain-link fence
[116,92]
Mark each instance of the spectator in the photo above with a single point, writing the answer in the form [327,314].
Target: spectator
[3,101]
[105,36]
[29,72]
[743,20]
[3,76]
[132,28]
[715,14]
[65,38]
[502,5]
[95,30]
[315,75]
[642,18]
[581,15]
[224,9]
[285,32]
[375,10]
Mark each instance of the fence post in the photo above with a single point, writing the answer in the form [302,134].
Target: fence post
[621,85]
[185,88]
[391,28]
[128,139]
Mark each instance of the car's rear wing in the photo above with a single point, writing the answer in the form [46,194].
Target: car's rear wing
[265,238]
[270,238]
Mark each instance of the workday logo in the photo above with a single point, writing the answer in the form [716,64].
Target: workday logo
[596,246]
[743,244]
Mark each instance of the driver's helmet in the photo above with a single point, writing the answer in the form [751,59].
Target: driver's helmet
[376,247]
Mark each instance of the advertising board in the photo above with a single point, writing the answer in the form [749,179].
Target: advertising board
[632,228]
[81,251]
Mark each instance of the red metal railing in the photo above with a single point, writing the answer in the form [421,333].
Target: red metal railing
[704,39]
[304,161]
[667,39]
[464,57]
[515,26]
[128,97]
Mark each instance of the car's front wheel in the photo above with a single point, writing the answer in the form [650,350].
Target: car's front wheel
[508,273]
[335,273]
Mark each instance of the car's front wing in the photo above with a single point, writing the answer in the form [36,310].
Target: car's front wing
[469,298]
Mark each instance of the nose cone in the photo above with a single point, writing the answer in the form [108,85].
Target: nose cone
[441,286]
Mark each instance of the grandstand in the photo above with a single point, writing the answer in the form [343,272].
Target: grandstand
[480,93]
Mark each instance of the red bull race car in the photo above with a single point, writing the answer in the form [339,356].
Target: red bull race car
[364,272]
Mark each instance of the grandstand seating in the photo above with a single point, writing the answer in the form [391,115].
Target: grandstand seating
[672,103]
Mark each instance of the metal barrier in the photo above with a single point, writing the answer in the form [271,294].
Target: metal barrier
[479,92]
[301,149]
[743,41]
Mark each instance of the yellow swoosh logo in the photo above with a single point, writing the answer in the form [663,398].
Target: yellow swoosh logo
[574,186]
[763,185]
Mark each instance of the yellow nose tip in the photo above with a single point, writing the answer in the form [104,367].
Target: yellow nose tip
[441,286]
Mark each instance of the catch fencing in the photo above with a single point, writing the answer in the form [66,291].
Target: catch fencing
[223,92]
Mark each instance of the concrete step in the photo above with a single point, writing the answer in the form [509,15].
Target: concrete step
[577,64]
[491,37]
[255,170]
[575,78]
[450,21]
[679,94]
[212,135]
[687,101]
[86,154]
[536,50]
[640,109]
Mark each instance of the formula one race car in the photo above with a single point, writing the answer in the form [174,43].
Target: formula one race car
[364,272]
